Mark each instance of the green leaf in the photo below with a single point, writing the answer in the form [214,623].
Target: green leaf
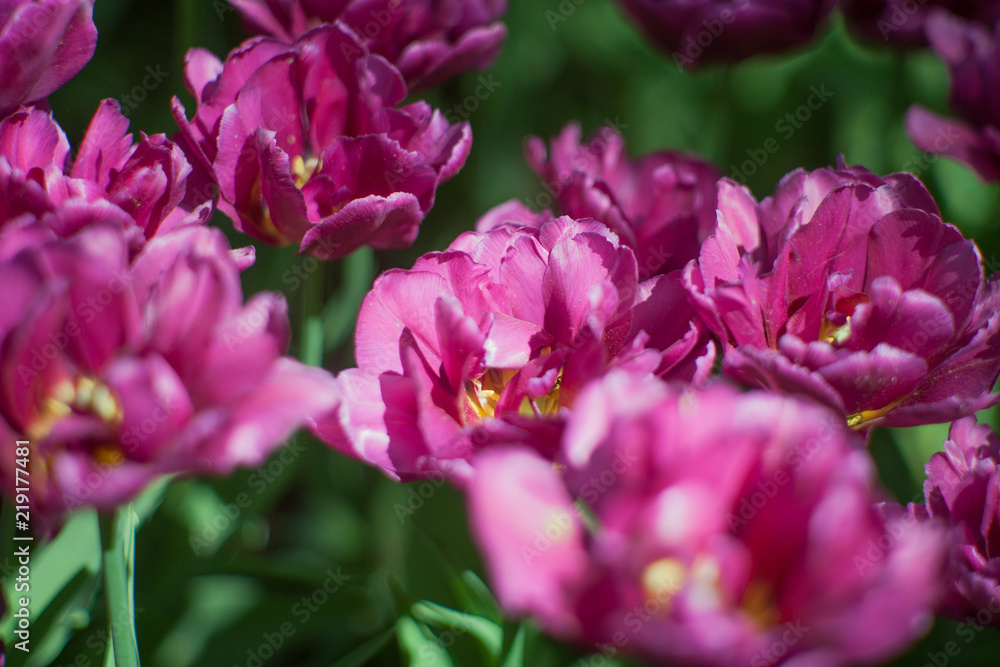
[342,310]
[399,595]
[118,535]
[515,656]
[63,616]
[55,564]
[362,654]
[488,633]
[419,645]
[477,598]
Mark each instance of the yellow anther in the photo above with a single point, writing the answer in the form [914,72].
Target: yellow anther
[663,579]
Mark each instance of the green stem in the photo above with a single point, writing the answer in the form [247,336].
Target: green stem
[313,300]
[118,537]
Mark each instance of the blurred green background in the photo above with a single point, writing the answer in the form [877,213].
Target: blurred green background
[310,559]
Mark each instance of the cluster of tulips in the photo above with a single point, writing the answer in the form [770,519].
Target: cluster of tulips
[657,398]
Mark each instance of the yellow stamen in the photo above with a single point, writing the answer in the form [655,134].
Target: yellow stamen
[109,455]
[50,414]
[303,170]
[106,406]
[758,603]
[835,335]
[663,579]
[860,420]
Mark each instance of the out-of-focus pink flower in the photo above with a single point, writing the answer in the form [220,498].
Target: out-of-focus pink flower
[972,53]
[705,528]
[963,491]
[902,24]
[307,146]
[849,288]
[695,32]
[145,180]
[491,340]
[429,41]
[43,44]
[118,372]
[661,205]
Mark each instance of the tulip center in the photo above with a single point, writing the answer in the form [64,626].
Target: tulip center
[833,333]
[664,579]
[758,604]
[303,169]
[484,393]
[86,396]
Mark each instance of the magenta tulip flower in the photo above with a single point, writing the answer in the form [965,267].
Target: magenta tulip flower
[851,289]
[490,341]
[429,41]
[972,53]
[43,44]
[902,24]
[661,205]
[963,491]
[307,145]
[118,372]
[695,32]
[145,180]
[711,528]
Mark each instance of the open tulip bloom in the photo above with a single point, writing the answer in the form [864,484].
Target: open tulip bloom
[656,397]
[704,528]
[849,288]
[491,340]
[307,145]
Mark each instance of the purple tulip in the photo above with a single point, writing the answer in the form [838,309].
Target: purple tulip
[902,22]
[491,340]
[849,288]
[43,44]
[972,53]
[695,32]
[704,528]
[145,180]
[963,491]
[429,41]
[661,205]
[118,372]
[307,146]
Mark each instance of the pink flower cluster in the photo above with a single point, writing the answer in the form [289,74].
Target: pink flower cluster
[127,350]
[560,370]
[575,373]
